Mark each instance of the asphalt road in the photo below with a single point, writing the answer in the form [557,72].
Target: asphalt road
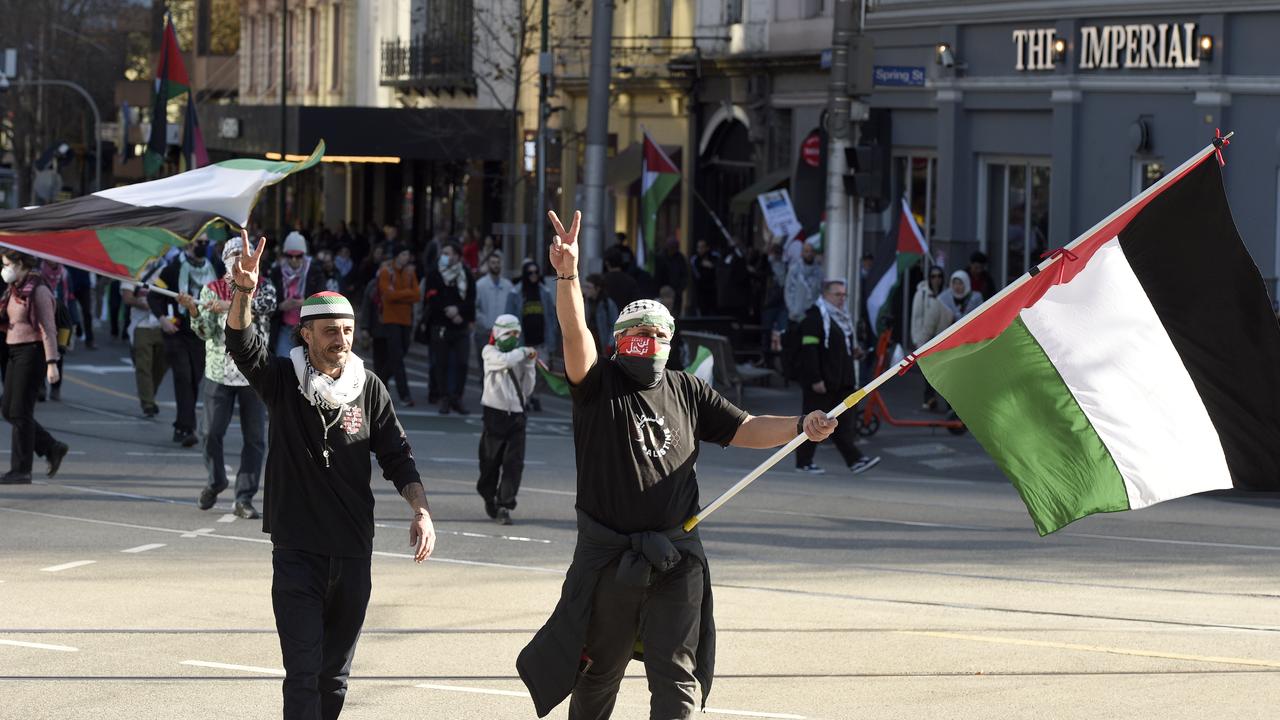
[919,589]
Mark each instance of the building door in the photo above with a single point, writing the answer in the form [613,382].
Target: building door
[724,170]
[1013,214]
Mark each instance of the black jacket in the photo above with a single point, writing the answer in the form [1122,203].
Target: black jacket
[440,296]
[549,664]
[307,506]
[824,358]
[161,305]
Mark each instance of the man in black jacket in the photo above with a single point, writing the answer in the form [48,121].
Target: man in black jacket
[186,274]
[827,353]
[327,416]
[637,426]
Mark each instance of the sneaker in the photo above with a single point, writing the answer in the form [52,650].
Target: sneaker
[207,499]
[56,454]
[246,511]
[150,411]
[865,463]
[810,469]
[490,509]
[457,406]
[504,516]
[189,439]
[15,478]
[444,407]
[407,401]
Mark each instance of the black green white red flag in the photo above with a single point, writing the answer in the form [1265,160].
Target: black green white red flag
[171,82]
[901,248]
[118,231]
[658,177]
[1137,365]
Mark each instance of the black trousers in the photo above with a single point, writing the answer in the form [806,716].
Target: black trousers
[449,364]
[666,617]
[844,435]
[185,353]
[501,457]
[398,338]
[23,378]
[319,603]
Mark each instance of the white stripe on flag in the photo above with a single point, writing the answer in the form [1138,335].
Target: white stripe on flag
[879,295]
[1102,334]
[214,189]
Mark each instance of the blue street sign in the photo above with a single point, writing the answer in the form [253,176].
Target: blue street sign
[897,76]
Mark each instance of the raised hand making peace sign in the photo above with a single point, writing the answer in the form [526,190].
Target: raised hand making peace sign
[564,250]
[245,272]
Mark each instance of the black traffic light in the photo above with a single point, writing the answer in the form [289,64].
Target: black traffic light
[865,177]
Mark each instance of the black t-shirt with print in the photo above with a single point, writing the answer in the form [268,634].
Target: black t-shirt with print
[636,447]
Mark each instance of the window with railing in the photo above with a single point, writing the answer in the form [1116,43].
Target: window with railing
[439,55]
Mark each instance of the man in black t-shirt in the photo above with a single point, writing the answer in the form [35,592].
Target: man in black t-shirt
[638,584]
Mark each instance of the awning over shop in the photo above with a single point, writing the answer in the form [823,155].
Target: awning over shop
[624,168]
[441,134]
[741,203]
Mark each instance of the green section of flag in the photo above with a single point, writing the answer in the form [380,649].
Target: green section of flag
[703,365]
[555,383]
[133,248]
[1015,403]
[663,184]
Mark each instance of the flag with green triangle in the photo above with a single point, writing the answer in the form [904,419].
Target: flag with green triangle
[658,177]
[171,82]
[556,383]
[901,248]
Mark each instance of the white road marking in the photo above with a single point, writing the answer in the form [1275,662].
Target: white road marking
[144,548]
[197,533]
[69,452]
[523,488]
[921,450]
[97,369]
[226,666]
[228,518]
[475,563]
[194,454]
[480,691]
[751,713]
[67,566]
[950,463]
[39,646]
[459,533]
[116,494]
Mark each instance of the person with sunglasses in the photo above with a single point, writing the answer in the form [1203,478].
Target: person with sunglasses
[929,316]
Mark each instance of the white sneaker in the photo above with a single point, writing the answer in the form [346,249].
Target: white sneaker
[866,463]
[810,469]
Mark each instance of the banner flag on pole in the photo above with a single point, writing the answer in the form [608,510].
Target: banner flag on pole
[171,82]
[658,177]
[903,246]
[118,231]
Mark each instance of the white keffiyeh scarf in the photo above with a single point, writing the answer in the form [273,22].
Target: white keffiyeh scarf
[323,391]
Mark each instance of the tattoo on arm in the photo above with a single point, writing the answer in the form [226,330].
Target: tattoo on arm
[416,496]
[241,314]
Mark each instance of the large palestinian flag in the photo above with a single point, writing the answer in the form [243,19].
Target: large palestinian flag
[901,248]
[118,231]
[1138,365]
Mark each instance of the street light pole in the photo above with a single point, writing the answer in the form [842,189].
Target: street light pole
[544,81]
[597,132]
[97,122]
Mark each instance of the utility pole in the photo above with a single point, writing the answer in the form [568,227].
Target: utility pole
[544,82]
[284,108]
[597,132]
[839,243]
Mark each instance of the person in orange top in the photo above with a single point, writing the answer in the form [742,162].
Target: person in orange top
[399,291]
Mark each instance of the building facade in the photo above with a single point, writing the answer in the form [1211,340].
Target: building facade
[1016,126]
[407,96]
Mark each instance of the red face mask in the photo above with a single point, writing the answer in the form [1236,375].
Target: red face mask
[643,346]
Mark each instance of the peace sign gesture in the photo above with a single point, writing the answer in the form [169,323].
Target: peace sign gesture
[245,272]
[564,250]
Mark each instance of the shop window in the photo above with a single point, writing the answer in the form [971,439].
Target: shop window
[732,11]
[1016,215]
[1146,172]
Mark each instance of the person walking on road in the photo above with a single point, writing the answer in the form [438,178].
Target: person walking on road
[928,318]
[294,282]
[638,579]
[327,416]
[827,354]
[508,380]
[495,295]
[451,313]
[225,387]
[186,274]
[399,291]
[32,344]
[146,340]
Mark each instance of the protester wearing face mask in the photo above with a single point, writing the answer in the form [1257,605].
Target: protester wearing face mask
[31,337]
[294,282]
[186,274]
[508,380]
[225,386]
[451,314]
[636,429]
[929,316]
[398,289]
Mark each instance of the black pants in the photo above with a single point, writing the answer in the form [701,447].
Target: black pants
[844,435]
[23,378]
[666,617]
[501,454]
[185,353]
[398,338]
[449,364]
[319,603]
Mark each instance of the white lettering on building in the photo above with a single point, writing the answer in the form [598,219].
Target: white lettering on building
[1143,46]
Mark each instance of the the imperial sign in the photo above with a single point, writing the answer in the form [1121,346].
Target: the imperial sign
[1108,47]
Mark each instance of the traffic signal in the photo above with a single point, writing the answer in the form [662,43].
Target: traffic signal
[866,172]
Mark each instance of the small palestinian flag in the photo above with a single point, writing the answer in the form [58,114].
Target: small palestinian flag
[116,232]
[703,365]
[903,247]
[1135,366]
[658,177]
[557,383]
[171,82]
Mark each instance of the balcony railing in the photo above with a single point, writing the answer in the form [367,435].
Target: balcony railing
[438,59]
